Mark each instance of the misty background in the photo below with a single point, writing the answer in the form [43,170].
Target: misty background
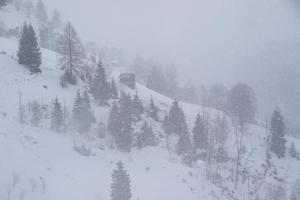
[219,41]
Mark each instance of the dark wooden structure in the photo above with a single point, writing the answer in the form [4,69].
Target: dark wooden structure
[128,79]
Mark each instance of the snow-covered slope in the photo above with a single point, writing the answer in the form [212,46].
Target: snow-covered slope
[36,163]
[37,155]
[39,164]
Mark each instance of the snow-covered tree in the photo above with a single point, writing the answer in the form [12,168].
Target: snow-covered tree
[120,187]
[83,116]
[166,125]
[184,145]
[41,13]
[146,137]
[99,86]
[277,139]
[71,55]
[57,116]
[220,129]
[114,124]
[77,106]
[120,123]
[153,110]
[29,53]
[176,120]
[88,117]
[241,104]
[137,107]
[126,118]
[200,134]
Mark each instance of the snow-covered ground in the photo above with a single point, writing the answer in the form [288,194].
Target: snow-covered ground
[39,156]
[36,163]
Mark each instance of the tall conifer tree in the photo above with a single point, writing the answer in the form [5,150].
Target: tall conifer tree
[29,53]
[57,116]
[120,187]
[99,86]
[200,134]
[277,140]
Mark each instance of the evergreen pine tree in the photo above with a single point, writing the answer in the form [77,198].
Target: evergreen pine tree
[114,124]
[138,107]
[146,137]
[184,145]
[153,110]
[35,59]
[57,116]
[176,120]
[87,116]
[126,118]
[99,86]
[200,134]
[113,89]
[23,45]
[82,115]
[29,53]
[120,187]
[241,104]
[77,107]
[41,13]
[277,142]
[120,123]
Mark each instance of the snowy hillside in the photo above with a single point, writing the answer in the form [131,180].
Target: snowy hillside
[37,154]
[38,163]
[33,158]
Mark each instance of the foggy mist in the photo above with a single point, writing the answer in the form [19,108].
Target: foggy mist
[150,99]
[206,36]
[208,41]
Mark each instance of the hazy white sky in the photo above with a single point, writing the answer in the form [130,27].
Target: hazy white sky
[210,37]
